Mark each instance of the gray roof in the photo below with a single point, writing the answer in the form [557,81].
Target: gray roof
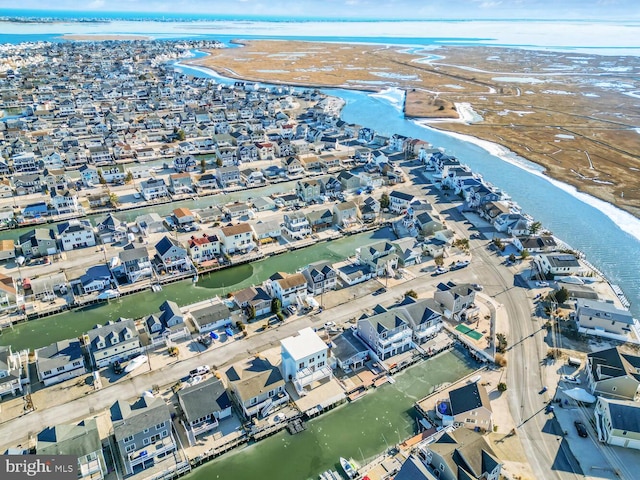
[624,415]
[347,345]
[562,260]
[468,397]
[254,377]
[603,310]
[414,469]
[211,313]
[388,320]
[116,328]
[203,399]
[58,354]
[77,440]
[130,419]
[612,362]
[466,450]
[133,254]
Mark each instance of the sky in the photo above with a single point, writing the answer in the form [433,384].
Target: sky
[370,9]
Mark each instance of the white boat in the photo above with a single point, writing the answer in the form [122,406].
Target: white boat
[348,468]
[135,363]
[108,294]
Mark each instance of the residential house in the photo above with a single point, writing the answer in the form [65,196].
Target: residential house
[296,226]
[35,210]
[113,175]
[455,300]
[602,317]
[292,166]
[461,454]
[349,351]
[55,179]
[76,234]
[150,223]
[349,181]
[353,274]
[255,298]
[535,243]
[263,204]
[369,209]
[618,422]
[183,216]
[380,257]
[142,433]
[387,333]
[8,292]
[135,264]
[331,186]
[111,229]
[38,243]
[11,371]
[266,232]
[60,361]
[309,162]
[558,264]
[236,210]
[304,359]
[207,180]
[320,219]
[399,202]
[228,176]
[153,189]
[329,161]
[64,201]
[236,238]
[613,374]
[203,406]
[427,223]
[172,255]
[288,288]
[27,184]
[409,251]
[180,183]
[89,175]
[168,324]
[95,279]
[470,407]
[256,386]
[424,317]
[321,277]
[186,163]
[346,214]
[308,190]
[82,440]
[203,248]
[252,178]
[414,469]
[113,341]
[98,200]
[212,317]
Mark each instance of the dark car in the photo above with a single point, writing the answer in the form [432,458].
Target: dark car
[379,291]
[582,430]
[117,367]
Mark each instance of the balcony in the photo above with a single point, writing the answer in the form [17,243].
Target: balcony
[161,446]
[396,338]
[205,426]
[306,376]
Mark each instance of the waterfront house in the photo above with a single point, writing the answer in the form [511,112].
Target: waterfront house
[409,251]
[369,209]
[346,214]
[535,244]
[424,317]
[39,242]
[288,288]
[111,229]
[380,257]
[399,201]
[59,361]
[266,232]
[321,277]
[212,317]
[309,162]
[11,371]
[207,180]
[296,226]
[27,184]
[228,176]
[292,166]
[304,359]
[185,163]
[82,440]
[95,279]
[236,238]
[427,223]
[76,234]
[455,300]
[348,181]
[602,318]
[180,183]
[618,422]
[113,175]
[142,432]
[237,210]
[135,264]
[263,204]
[252,178]
[203,248]
[254,297]
[183,216]
[349,351]
[256,386]
[470,407]
[203,406]
[461,454]
[172,255]
[353,274]
[113,341]
[613,374]
[387,333]
[308,190]
[331,186]
[167,325]
[414,469]
[150,223]
[8,290]
[154,188]
[320,219]
[100,199]
[558,264]
[55,179]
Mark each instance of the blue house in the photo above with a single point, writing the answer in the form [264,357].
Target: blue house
[35,210]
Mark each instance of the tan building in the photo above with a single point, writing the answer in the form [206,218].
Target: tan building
[618,422]
[470,407]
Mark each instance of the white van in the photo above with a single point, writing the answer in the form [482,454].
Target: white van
[574,362]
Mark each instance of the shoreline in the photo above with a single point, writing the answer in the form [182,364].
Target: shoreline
[103,37]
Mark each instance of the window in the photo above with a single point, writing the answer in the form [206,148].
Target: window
[128,439]
[146,441]
[160,425]
[146,430]
[130,448]
[164,433]
[320,364]
[60,369]
[76,363]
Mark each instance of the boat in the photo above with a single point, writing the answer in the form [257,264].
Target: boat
[108,294]
[348,468]
[330,475]
[135,363]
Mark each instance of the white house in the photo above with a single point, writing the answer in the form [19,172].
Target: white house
[236,238]
[153,188]
[304,359]
[113,341]
[203,248]
[618,422]
[597,316]
[10,371]
[286,287]
[76,234]
[60,361]
[558,264]
[211,317]
[399,201]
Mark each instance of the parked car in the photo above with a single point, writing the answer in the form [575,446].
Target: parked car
[571,379]
[582,430]
[201,370]
[542,284]
[379,291]
[461,264]
[117,367]
[477,287]
[441,270]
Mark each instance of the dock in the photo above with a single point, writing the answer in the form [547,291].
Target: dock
[296,426]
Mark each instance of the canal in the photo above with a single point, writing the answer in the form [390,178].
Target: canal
[43,331]
[361,431]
